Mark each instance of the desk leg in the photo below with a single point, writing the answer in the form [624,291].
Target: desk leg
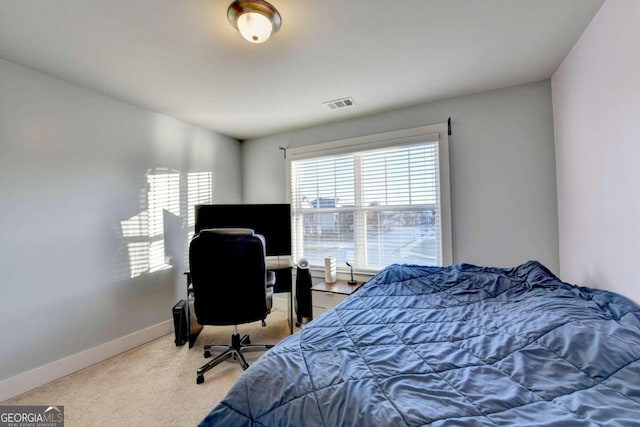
[284,283]
[291,312]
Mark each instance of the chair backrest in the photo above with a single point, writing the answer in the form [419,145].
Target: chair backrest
[228,273]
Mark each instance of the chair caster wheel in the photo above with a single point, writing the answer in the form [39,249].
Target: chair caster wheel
[200,379]
[207,354]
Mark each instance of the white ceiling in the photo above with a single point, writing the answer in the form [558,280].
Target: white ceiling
[182,57]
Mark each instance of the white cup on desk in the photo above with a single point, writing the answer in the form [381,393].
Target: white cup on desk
[330,273]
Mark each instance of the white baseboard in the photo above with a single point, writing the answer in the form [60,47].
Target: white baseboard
[52,371]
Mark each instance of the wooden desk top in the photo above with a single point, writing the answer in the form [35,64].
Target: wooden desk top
[339,287]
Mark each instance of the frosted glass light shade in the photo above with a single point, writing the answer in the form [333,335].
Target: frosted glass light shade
[256,20]
[254,27]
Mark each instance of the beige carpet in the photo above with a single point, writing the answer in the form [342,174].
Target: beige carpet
[154,384]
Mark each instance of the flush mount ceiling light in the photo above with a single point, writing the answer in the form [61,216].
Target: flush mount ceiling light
[255,19]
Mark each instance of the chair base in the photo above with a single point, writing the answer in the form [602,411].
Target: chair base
[235,350]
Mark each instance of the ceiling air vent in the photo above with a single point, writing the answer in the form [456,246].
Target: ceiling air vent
[340,103]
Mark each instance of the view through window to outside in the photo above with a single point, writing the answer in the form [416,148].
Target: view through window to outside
[370,208]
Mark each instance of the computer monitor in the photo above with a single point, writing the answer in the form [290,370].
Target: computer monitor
[273,221]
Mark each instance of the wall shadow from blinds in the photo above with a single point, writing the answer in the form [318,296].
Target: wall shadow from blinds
[166,208]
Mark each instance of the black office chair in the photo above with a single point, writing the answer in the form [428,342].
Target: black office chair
[230,286]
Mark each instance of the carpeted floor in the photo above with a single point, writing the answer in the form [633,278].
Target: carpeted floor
[154,384]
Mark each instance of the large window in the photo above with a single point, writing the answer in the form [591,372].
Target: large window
[373,201]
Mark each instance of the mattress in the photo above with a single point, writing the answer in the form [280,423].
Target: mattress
[462,345]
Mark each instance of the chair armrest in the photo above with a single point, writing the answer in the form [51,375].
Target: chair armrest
[271,279]
[189,282]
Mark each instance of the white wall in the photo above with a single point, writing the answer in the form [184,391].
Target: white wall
[502,169]
[596,104]
[72,166]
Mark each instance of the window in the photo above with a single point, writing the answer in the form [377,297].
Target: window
[373,200]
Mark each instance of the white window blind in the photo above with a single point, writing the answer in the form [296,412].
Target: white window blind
[369,207]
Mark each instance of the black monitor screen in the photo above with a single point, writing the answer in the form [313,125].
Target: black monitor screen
[273,221]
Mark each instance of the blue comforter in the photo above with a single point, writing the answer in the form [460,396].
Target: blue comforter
[454,346]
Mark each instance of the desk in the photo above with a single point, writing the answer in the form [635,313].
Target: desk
[283,274]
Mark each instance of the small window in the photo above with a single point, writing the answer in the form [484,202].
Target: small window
[373,200]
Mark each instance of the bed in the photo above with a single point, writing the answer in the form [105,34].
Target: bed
[452,346]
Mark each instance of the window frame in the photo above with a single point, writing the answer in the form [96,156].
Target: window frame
[397,138]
